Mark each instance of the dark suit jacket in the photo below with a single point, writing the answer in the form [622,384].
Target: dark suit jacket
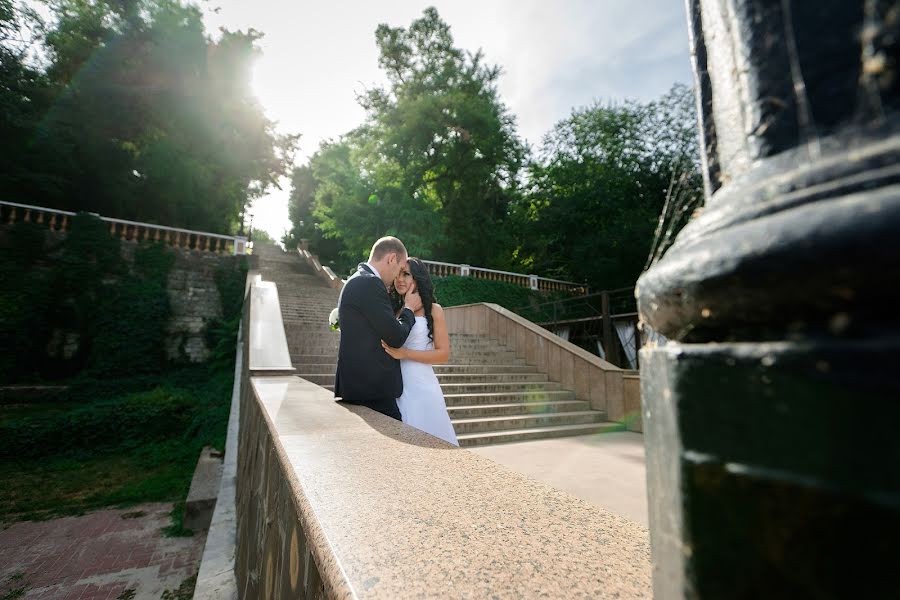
[366,374]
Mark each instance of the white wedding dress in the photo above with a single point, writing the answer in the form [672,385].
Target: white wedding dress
[422,402]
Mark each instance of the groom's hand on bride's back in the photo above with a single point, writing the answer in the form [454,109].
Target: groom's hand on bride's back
[413,301]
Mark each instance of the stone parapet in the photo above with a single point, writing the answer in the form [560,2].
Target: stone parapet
[592,378]
[338,501]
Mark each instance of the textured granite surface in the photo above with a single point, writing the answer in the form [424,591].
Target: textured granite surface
[391,512]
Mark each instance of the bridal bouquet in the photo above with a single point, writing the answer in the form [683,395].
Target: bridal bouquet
[333,320]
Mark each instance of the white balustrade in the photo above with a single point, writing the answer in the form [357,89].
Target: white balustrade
[132,231]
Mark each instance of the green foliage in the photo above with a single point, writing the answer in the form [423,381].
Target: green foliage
[26,294]
[435,163]
[100,426]
[231,282]
[221,334]
[438,163]
[176,526]
[82,287]
[456,291]
[114,443]
[185,591]
[605,176]
[128,330]
[138,114]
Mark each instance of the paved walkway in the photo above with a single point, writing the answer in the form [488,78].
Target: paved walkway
[103,555]
[606,469]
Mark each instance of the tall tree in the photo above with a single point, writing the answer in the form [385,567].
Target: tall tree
[150,119]
[603,178]
[24,98]
[437,159]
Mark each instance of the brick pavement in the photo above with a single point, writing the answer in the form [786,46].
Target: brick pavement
[98,556]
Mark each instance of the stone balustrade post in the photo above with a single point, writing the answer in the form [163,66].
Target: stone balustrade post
[770,416]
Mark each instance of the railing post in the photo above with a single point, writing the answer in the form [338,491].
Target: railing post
[609,343]
[240,245]
[638,342]
[533,282]
[781,327]
[464,270]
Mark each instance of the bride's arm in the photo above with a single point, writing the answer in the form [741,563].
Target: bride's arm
[441,353]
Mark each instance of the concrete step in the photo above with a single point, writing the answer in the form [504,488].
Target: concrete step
[313,318]
[516,408]
[477,351]
[490,377]
[469,336]
[480,368]
[508,397]
[306,359]
[315,368]
[520,435]
[305,333]
[329,367]
[300,347]
[489,387]
[452,383]
[319,378]
[486,360]
[485,424]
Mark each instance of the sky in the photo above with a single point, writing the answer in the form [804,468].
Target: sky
[555,56]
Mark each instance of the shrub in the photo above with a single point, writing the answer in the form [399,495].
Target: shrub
[127,422]
[455,290]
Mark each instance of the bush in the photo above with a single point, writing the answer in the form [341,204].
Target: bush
[25,299]
[455,291]
[83,286]
[101,426]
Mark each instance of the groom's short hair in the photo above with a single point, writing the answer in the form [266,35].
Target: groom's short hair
[385,246]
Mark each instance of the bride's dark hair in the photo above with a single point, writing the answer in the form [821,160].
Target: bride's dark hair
[424,286]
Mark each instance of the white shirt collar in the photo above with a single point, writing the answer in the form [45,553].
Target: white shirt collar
[374,270]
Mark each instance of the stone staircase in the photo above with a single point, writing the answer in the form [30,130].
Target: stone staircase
[492,395]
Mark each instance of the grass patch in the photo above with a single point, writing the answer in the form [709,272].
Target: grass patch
[89,459]
[40,489]
[14,587]
[185,591]
[176,528]
[24,410]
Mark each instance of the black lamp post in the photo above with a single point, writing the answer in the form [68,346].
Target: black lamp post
[771,425]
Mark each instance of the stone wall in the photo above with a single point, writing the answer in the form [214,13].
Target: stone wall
[195,301]
[193,296]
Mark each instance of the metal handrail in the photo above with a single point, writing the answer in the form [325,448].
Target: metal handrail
[573,299]
[523,276]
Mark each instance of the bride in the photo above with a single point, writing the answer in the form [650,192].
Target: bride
[422,402]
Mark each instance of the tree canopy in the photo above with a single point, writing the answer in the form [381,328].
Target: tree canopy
[438,163]
[135,112]
[605,180]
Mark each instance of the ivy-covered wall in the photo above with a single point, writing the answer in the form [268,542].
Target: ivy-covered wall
[85,302]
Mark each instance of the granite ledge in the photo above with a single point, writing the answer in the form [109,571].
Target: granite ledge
[392,512]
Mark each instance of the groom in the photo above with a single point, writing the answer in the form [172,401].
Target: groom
[366,374]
